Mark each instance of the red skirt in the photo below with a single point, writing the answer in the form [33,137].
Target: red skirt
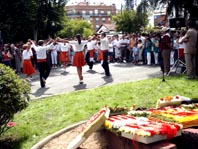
[64,57]
[78,59]
[28,69]
[101,55]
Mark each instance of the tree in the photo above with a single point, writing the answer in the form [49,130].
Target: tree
[76,26]
[22,19]
[188,7]
[130,21]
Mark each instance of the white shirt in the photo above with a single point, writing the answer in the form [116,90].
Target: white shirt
[91,45]
[78,47]
[41,50]
[116,43]
[27,54]
[182,45]
[104,44]
[64,47]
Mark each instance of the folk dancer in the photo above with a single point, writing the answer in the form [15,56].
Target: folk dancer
[90,51]
[28,68]
[103,55]
[43,66]
[64,53]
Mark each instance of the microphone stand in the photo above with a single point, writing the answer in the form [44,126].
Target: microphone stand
[163,77]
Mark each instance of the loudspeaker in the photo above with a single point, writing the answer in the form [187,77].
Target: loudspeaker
[177,23]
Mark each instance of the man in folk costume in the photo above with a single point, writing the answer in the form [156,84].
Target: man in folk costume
[103,55]
[43,66]
[90,51]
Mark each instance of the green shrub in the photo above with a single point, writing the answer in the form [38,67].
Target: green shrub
[14,96]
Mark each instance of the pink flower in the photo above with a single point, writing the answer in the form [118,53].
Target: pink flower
[11,124]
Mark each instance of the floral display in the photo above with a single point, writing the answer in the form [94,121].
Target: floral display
[141,127]
[172,101]
[181,115]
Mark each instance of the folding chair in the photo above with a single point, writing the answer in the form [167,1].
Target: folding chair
[179,62]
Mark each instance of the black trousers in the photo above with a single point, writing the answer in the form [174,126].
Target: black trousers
[90,63]
[105,64]
[44,71]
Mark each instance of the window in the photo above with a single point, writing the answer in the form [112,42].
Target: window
[96,11]
[97,26]
[97,19]
[102,12]
[90,12]
[83,12]
[108,12]
[103,20]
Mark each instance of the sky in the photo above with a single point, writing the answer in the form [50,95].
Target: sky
[107,2]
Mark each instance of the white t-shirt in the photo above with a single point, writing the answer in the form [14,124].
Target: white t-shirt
[64,47]
[41,50]
[27,54]
[91,45]
[78,47]
[104,44]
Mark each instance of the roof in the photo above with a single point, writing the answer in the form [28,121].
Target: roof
[106,28]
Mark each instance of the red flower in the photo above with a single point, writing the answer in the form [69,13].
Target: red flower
[11,124]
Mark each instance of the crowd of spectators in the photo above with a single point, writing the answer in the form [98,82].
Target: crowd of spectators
[140,49]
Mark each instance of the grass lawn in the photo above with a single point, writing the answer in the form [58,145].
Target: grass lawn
[48,115]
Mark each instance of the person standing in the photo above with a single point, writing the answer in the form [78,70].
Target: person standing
[156,48]
[43,66]
[190,50]
[166,49]
[124,42]
[103,56]
[54,54]
[148,50]
[116,45]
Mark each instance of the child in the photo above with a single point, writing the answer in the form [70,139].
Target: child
[135,54]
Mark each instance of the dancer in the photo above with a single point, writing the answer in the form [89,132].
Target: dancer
[43,66]
[64,53]
[103,56]
[28,69]
[78,58]
[90,51]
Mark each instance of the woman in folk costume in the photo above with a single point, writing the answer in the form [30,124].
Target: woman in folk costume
[28,69]
[64,53]
[78,59]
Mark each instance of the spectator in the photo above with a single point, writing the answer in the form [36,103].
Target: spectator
[166,49]
[190,50]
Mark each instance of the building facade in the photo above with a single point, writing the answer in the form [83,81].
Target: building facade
[96,14]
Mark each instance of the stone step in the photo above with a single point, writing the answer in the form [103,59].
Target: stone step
[188,140]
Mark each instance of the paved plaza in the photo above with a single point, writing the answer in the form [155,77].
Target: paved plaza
[63,82]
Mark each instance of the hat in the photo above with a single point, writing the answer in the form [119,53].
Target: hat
[164,29]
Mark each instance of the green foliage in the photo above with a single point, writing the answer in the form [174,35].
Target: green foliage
[22,19]
[14,96]
[130,21]
[76,26]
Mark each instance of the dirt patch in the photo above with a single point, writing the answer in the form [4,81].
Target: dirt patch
[96,140]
